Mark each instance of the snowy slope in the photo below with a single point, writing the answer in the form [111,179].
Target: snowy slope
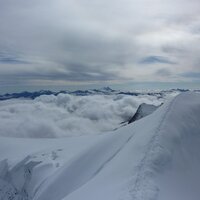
[157,157]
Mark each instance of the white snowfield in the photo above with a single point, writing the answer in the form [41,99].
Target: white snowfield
[155,158]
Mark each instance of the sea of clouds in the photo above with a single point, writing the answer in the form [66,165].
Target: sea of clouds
[67,115]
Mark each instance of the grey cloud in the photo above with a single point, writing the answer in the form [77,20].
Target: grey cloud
[156,59]
[6,58]
[172,49]
[195,75]
[163,72]
[75,72]
[86,40]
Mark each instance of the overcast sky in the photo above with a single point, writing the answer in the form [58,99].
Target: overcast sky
[88,42]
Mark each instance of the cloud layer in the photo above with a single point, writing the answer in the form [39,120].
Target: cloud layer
[66,115]
[58,42]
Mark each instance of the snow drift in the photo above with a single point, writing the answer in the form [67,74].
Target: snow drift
[155,158]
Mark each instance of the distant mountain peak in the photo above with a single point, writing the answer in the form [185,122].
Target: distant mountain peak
[107,88]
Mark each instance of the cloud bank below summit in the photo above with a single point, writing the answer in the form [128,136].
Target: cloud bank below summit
[66,115]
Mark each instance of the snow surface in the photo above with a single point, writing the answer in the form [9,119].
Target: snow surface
[155,158]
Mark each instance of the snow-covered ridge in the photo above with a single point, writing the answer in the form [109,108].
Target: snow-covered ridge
[143,111]
[156,158]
